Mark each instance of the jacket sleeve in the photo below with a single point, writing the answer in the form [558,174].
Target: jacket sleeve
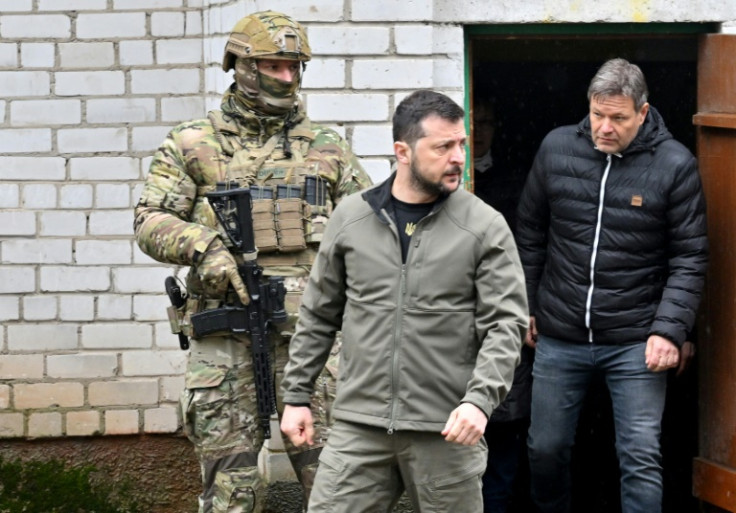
[501,317]
[688,256]
[320,317]
[531,228]
[162,227]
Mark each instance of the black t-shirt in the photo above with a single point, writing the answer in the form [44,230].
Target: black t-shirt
[407,215]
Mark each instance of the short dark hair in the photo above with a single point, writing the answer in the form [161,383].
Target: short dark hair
[619,77]
[415,108]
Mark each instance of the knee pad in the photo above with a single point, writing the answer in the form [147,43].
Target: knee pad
[239,490]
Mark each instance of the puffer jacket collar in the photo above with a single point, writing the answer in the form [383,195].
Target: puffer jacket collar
[651,133]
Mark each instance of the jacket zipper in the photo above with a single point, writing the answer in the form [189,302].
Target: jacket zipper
[594,254]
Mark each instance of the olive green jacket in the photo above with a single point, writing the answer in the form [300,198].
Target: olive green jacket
[419,338]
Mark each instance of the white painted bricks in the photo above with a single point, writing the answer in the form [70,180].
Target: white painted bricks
[88,90]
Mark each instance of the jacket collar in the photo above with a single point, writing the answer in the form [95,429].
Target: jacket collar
[651,133]
[379,199]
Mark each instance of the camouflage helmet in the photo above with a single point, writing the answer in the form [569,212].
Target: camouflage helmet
[266,34]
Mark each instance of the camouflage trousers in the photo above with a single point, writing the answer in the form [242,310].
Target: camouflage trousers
[221,419]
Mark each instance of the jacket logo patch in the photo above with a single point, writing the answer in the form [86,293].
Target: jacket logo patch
[637,200]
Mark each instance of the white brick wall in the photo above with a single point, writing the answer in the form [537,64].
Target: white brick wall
[88,89]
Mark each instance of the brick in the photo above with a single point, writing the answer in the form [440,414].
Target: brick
[193,23]
[103,168]
[8,55]
[171,388]
[348,107]
[89,83]
[121,110]
[148,138]
[9,195]
[73,279]
[153,363]
[42,337]
[76,307]
[15,5]
[373,140]
[145,4]
[167,24]
[112,25]
[150,308]
[9,308]
[48,395]
[75,196]
[83,423]
[390,10]
[72,5]
[114,307]
[321,10]
[88,140]
[42,425]
[63,223]
[448,73]
[164,339]
[325,73]
[4,397]
[392,74]
[86,55]
[16,279]
[121,422]
[26,366]
[172,81]
[37,26]
[37,55]
[413,39]
[160,420]
[103,252]
[25,140]
[82,366]
[37,251]
[448,40]
[17,223]
[349,40]
[40,308]
[117,335]
[184,108]
[11,425]
[33,168]
[179,51]
[123,393]
[112,196]
[138,280]
[111,222]
[39,196]
[136,53]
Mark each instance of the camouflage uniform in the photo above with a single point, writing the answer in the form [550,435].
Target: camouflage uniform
[175,224]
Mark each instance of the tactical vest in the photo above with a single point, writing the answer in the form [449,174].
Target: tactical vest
[291,199]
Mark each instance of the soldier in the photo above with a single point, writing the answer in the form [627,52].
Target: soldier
[260,139]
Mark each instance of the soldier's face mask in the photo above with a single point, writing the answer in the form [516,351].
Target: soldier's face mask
[264,93]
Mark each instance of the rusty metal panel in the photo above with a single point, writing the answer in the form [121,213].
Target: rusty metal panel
[717,74]
[714,475]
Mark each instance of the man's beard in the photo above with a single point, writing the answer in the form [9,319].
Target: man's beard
[422,184]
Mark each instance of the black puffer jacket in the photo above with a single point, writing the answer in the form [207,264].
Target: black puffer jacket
[639,222]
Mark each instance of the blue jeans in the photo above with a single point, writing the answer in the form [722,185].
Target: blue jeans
[562,373]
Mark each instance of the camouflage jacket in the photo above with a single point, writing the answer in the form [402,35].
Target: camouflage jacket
[173,220]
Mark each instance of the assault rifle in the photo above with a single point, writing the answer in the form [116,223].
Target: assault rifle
[232,207]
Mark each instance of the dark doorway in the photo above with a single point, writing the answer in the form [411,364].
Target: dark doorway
[535,83]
